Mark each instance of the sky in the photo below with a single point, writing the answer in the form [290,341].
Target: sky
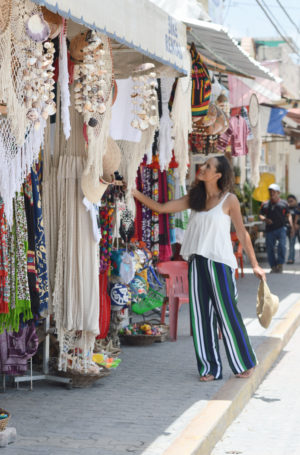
[246,18]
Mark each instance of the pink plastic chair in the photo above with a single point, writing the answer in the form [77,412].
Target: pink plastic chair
[177,291]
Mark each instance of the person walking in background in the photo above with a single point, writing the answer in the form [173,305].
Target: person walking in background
[275,213]
[208,248]
[295,214]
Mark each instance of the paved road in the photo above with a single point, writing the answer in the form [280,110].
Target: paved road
[125,412]
[269,424]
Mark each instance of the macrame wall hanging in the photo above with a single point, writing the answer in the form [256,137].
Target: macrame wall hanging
[26,82]
[182,123]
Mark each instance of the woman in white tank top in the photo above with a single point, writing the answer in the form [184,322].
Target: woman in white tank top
[208,248]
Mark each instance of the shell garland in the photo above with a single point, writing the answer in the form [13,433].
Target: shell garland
[39,83]
[144,100]
[91,80]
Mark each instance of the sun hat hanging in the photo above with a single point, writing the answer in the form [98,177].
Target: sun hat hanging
[111,159]
[201,84]
[54,21]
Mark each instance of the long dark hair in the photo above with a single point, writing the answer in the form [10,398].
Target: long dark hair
[197,193]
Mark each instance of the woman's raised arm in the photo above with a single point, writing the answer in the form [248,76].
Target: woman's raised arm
[177,205]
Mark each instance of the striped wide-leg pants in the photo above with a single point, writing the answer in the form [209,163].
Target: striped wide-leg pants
[213,303]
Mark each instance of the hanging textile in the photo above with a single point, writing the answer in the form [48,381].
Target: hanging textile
[16,348]
[77,257]
[40,244]
[19,304]
[240,132]
[63,79]
[139,208]
[155,216]
[244,114]
[181,218]
[104,312]
[74,262]
[165,142]
[236,136]
[4,285]
[171,196]
[165,251]
[146,212]
[182,124]
[31,261]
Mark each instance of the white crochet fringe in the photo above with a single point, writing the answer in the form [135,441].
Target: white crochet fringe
[132,155]
[13,172]
[63,80]
[182,126]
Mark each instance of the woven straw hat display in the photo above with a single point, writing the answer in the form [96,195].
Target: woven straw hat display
[93,192]
[207,119]
[111,160]
[267,304]
[54,20]
[77,44]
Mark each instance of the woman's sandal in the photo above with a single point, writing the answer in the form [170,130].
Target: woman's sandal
[207,378]
[245,374]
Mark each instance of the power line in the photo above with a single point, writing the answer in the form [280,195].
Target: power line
[296,50]
[288,16]
[279,25]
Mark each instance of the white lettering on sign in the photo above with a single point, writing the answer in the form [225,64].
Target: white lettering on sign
[171,42]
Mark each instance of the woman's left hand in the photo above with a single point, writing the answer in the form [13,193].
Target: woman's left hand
[259,272]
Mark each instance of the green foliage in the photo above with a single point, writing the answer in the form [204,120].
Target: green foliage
[237,171]
[244,196]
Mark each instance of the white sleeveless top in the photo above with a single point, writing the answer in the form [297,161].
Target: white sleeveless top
[208,235]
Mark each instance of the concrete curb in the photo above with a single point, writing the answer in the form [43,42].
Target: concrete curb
[201,435]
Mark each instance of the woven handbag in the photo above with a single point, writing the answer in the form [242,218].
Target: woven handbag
[201,85]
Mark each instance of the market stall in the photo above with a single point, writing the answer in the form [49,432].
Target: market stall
[58,159]
[93,99]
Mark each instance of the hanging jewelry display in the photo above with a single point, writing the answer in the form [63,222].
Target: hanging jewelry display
[144,100]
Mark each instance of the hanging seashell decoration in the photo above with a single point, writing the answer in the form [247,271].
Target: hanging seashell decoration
[92,82]
[39,83]
[144,100]
[37,28]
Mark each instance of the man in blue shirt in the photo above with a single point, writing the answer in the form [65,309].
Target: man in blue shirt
[275,213]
